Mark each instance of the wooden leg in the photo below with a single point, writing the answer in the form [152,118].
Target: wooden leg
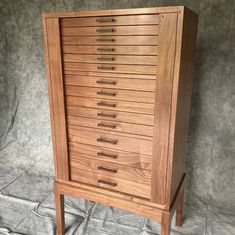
[59,206]
[179,210]
[166,223]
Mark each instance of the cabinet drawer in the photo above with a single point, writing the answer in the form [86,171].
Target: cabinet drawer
[109,182]
[74,68]
[111,125]
[78,150]
[135,118]
[111,82]
[107,50]
[114,105]
[111,94]
[112,141]
[111,169]
[111,30]
[114,59]
[110,20]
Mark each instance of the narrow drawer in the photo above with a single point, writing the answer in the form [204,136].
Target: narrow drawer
[107,59]
[111,125]
[74,68]
[111,183]
[113,20]
[111,30]
[115,50]
[135,118]
[111,82]
[135,107]
[135,160]
[111,94]
[111,141]
[110,169]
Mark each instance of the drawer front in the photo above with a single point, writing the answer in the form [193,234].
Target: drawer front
[135,118]
[111,125]
[113,105]
[74,68]
[110,20]
[114,50]
[109,182]
[110,169]
[111,94]
[135,160]
[112,141]
[110,30]
[107,59]
[111,82]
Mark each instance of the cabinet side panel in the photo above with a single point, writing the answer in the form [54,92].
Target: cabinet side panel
[56,96]
[164,84]
[181,100]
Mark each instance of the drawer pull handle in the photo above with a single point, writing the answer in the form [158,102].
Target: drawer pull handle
[102,154]
[106,182]
[105,49]
[106,40]
[106,58]
[106,82]
[101,168]
[114,142]
[105,68]
[103,20]
[106,125]
[105,30]
[106,104]
[106,115]
[106,93]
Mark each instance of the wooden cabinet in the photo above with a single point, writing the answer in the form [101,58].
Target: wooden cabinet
[119,86]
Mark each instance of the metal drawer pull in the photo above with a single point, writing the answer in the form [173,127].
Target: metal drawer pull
[105,49]
[105,68]
[106,82]
[106,115]
[105,30]
[106,58]
[105,40]
[104,20]
[106,182]
[106,125]
[106,93]
[101,168]
[114,142]
[106,104]
[102,154]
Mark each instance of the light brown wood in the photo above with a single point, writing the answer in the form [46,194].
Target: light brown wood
[179,210]
[166,223]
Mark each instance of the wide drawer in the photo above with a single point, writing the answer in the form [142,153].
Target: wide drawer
[74,68]
[109,140]
[111,30]
[111,125]
[78,150]
[114,50]
[118,116]
[112,183]
[110,20]
[111,169]
[107,59]
[114,105]
[111,94]
[111,82]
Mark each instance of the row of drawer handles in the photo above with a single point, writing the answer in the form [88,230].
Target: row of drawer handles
[105,20]
[110,30]
[106,82]
[103,140]
[101,168]
[109,155]
[102,103]
[106,182]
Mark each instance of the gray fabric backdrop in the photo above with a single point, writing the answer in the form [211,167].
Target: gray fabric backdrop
[25,134]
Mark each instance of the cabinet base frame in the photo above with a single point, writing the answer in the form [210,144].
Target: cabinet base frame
[163,216]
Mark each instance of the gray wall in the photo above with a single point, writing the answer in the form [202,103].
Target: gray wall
[25,138]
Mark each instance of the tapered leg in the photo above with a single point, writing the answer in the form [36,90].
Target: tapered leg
[166,223]
[179,210]
[59,206]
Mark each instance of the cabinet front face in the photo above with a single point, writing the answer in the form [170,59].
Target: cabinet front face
[111,81]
